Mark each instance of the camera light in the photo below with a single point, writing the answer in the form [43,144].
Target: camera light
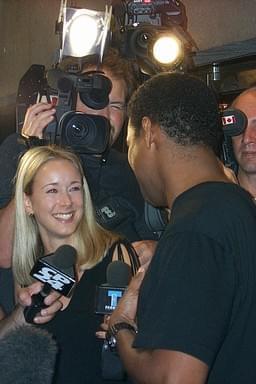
[167,50]
[83,33]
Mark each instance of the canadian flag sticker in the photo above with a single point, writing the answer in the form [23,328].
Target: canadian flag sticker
[226,120]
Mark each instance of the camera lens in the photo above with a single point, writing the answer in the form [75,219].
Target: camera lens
[84,133]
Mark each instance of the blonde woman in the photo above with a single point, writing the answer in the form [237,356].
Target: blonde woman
[53,207]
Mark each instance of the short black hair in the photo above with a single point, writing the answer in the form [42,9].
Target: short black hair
[184,107]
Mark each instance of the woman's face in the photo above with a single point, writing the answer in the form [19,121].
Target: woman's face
[56,202]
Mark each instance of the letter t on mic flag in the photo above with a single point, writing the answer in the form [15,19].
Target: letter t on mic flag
[107,295]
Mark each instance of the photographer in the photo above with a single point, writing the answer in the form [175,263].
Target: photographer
[244,145]
[111,182]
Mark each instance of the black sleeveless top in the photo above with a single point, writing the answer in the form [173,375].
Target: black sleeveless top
[79,358]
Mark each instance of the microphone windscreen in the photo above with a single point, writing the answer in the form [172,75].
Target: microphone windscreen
[27,355]
[118,274]
[63,258]
[234,122]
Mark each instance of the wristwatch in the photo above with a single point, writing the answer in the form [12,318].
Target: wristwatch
[113,331]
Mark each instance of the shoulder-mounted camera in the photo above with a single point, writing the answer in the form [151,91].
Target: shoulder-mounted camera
[84,133]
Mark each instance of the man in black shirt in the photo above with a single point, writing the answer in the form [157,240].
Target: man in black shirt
[191,317]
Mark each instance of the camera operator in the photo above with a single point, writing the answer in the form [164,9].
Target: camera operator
[244,145]
[111,182]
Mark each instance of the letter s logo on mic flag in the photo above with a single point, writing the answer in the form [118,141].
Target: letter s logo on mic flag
[56,271]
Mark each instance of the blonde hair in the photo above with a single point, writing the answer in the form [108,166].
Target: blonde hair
[90,240]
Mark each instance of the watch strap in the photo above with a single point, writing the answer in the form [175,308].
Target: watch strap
[113,331]
[115,328]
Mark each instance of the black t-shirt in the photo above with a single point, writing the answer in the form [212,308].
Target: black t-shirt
[199,295]
[114,189]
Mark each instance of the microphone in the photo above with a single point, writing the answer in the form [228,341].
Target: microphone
[107,295]
[27,355]
[56,271]
[234,122]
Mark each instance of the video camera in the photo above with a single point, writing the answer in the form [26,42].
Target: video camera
[84,133]
[164,12]
[234,123]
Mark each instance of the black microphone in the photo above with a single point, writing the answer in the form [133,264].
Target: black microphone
[234,122]
[107,295]
[27,355]
[56,271]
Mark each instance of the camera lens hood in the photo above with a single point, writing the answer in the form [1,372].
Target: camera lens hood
[84,133]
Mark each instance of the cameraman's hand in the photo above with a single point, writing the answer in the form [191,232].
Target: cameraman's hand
[38,116]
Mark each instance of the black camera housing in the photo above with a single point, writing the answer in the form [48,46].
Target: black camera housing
[84,133]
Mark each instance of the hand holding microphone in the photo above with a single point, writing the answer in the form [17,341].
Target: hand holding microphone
[56,271]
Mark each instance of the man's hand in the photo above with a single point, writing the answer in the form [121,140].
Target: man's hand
[145,250]
[52,301]
[127,305]
[38,116]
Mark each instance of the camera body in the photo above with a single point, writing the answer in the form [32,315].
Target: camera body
[161,12]
[84,133]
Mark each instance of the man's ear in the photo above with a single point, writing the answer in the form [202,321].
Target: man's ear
[28,204]
[146,129]
[150,131]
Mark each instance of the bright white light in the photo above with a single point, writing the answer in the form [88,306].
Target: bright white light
[167,49]
[83,34]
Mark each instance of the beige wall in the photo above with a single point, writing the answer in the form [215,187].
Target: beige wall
[216,22]
[27,32]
